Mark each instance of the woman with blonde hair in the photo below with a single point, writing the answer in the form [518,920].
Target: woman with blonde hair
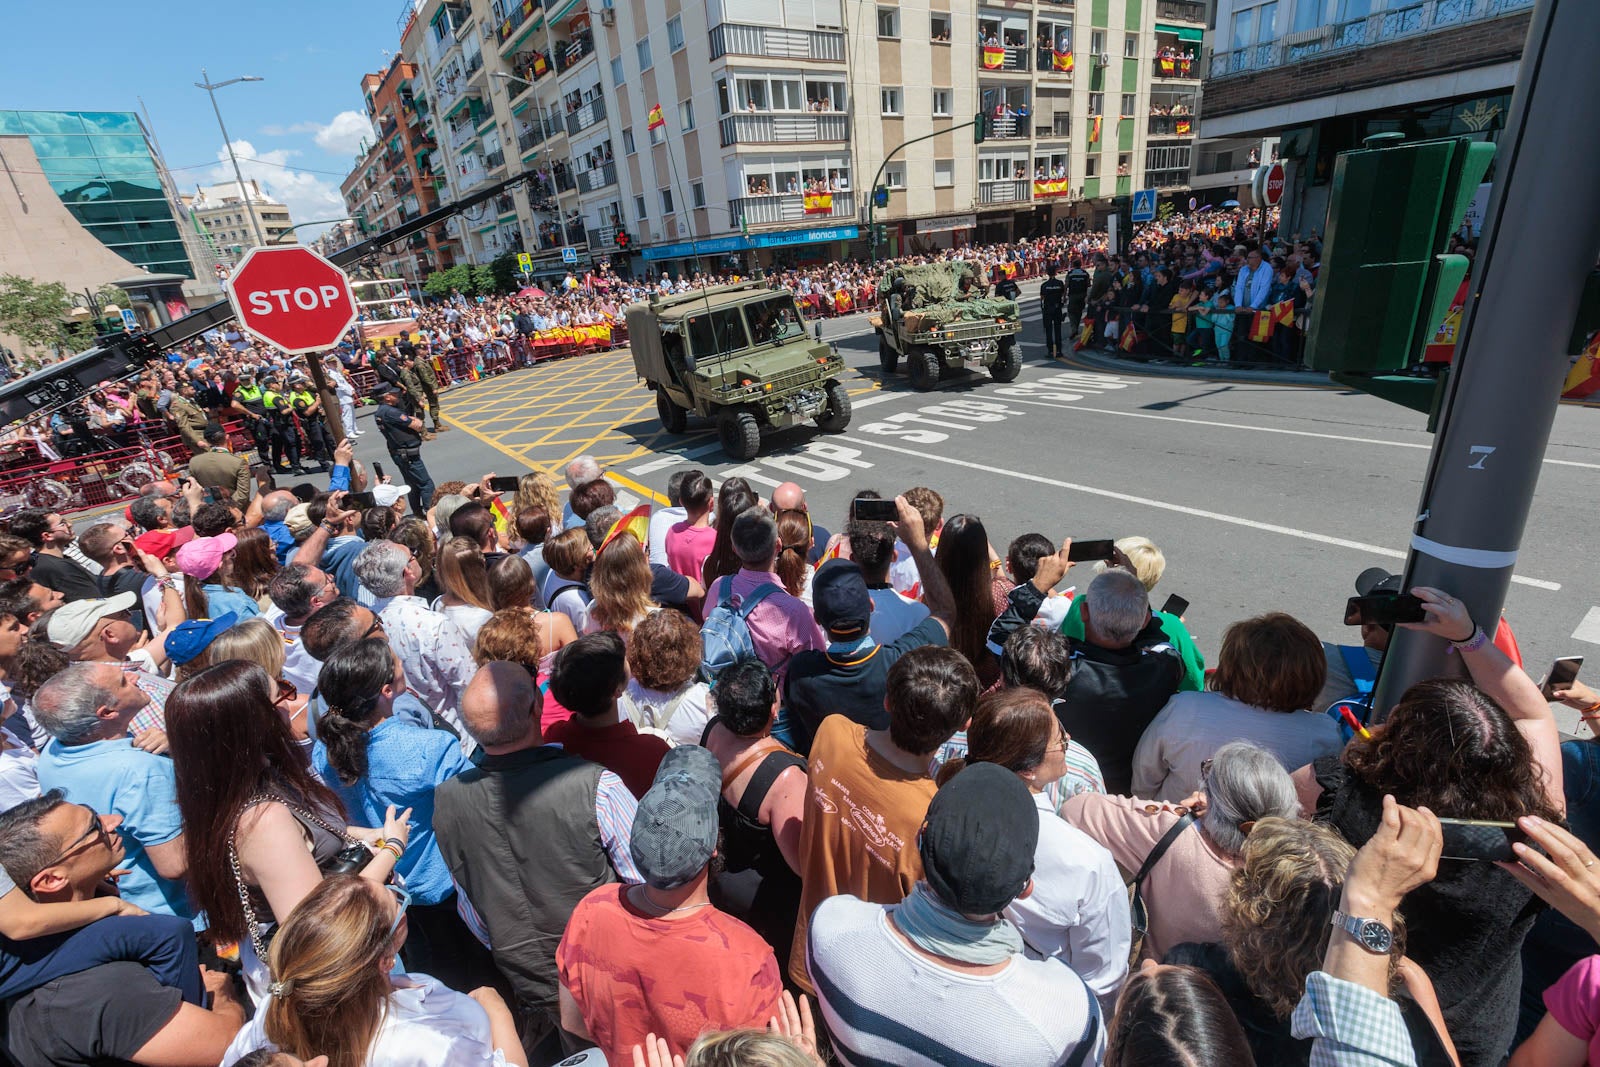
[537,490]
[334,992]
[620,584]
[257,641]
[464,585]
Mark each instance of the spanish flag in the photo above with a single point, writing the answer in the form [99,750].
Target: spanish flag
[819,203]
[1183,126]
[1094,129]
[1061,60]
[1085,335]
[635,522]
[656,120]
[1584,378]
[1168,65]
[1129,339]
[540,65]
[994,57]
[1050,187]
[1261,326]
[1282,313]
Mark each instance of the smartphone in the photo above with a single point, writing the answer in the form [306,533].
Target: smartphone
[1480,840]
[1175,605]
[504,483]
[363,501]
[377,469]
[871,509]
[1383,609]
[1563,671]
[1084,551]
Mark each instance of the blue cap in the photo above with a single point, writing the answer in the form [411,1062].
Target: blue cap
[193,636]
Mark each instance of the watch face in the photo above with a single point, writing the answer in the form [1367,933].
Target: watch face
[1375,936]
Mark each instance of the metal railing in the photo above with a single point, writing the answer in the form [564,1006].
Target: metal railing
[575,52]
[531,138]
[783,129]
[597,178]
[1172,125]
[463,134]
[739,39]
[1378,28]
[474,64]
[494,160]
[586,116]
[1013,58]
[1003,192]
[1009,128]
[604,237]
[788,207]
[1175,66]
[519,14]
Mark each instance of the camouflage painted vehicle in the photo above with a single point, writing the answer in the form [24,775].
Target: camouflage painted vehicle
[739,355]
[925,319]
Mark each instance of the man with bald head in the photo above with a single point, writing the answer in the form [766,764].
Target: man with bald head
[790,497]
[527,834]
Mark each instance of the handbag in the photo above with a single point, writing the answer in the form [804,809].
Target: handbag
[348,860]
[1138,912]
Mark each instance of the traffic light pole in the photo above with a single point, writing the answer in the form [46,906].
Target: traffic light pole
[872,190]
[1536,250]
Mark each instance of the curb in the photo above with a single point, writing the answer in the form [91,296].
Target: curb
[1208,371]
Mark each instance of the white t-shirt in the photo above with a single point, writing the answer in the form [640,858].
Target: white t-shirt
[650,708]
[894,615]
[662,520]
[19,770]
[150,596]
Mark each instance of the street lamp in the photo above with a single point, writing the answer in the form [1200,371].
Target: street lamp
[211,89]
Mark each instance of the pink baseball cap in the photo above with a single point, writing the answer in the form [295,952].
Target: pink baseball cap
[201,557]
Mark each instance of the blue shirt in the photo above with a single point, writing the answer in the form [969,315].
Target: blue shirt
[282,540]
[220,601]
[339,561]
[404,767]
[114,778]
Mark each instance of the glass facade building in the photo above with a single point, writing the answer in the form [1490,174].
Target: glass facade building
[101,166]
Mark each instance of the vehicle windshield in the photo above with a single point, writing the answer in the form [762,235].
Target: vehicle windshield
[774,319]
[716,333]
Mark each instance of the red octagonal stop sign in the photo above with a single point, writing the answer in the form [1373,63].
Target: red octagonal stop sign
[292,298]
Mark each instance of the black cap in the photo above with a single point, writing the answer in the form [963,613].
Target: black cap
[839,597]
[978,839]
[1375,581]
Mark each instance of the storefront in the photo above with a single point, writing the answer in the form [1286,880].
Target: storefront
[783,248]
[924,236]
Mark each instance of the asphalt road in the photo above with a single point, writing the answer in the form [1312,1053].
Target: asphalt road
[1262,496]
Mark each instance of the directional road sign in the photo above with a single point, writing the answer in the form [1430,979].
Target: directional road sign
[1144,205]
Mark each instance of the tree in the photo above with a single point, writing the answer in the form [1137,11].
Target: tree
[483,279]
[504,267]
[440,282]
[35,313]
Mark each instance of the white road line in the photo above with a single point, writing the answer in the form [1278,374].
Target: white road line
[1258,429]
[1589,629]
[872,398]
[1267,527]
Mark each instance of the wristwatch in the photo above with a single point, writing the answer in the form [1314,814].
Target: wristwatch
[1370,934]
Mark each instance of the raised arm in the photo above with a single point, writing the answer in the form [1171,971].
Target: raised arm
[936,594]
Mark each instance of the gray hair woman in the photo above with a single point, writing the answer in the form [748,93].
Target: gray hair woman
[1188,880]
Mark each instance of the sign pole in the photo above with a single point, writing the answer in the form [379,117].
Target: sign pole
[330,399]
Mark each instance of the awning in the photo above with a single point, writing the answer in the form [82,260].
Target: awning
[1183,33]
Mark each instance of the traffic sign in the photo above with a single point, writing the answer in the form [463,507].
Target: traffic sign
[292,298]
[524,262]
[130,321]
[1275,184]
[1144,205]
[569,255]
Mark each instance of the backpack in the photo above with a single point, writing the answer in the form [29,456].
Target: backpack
[1365,676]
[726,633]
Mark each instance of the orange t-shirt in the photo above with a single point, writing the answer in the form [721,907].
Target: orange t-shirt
[633,974]
[862,818]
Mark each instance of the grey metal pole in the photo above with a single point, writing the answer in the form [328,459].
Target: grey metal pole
[249,208]
[1509,364]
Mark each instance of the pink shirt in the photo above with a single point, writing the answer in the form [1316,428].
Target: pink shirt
[1574,1003]
[688,546]
[780,625]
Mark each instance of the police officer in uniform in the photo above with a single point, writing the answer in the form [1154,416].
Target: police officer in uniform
[247,401]
[280,415]
[308,407]
[403,434]
[1077,293]
[1006,288]
[1051,295]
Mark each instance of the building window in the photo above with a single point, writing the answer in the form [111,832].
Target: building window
[889,22]
[675,33]
[1130,46]
[941,103]
[1128,104]
[658,135]
[618,75]
[1097,103]
[627,142]
[1091,166]
[723,104]
[939,29]
[944,173]
[645,62]
[666,201]
[1124,164]
[894,175]
[686,115]
[889,96]
[697,193]
[1097,42]
[638,208]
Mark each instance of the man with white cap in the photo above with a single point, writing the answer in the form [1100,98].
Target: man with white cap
[391,495]
[102,631]
[659,958]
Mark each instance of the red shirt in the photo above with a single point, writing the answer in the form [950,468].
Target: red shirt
[633,974]
[619,748]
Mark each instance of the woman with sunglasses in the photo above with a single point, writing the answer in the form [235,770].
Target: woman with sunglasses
[335,992]
[260,829]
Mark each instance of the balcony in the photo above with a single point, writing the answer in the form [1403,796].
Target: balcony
[1175,65]
[463,135]
[530,138]
[504,205]
[474,63]
[469,176]
[592,181]
[998,59]
[519,14]
[790,208]
[784,129]
[1180,11]
[1171,126]
[586,116]
[1003,192]
[1009,128]
[576,51]
[604,237]
[494,160]
[739,39]
[1383,27]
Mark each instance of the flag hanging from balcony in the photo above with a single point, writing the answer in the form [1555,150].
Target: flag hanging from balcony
[1050,187]
[819,203]
[994,57]
[1061,60]
[656,120]
[1168,65]
[540,65]
[1094,129]
[1183,126]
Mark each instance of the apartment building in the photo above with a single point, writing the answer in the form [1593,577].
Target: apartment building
[226,218]
[1323,75]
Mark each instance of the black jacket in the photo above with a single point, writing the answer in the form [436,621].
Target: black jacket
[1051,294]
[1077,284]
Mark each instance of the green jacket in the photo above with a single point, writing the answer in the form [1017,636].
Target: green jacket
[425,373]
[410,381]
[1194,664]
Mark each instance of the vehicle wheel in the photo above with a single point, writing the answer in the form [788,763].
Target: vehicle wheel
[923,366]
[673,418]
[1007,365]
[888,358]
[739,433]
[836,416]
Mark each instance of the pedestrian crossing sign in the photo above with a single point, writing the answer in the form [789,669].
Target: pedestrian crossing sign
[1144,205]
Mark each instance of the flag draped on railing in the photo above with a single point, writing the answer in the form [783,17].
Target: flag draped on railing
[994,57]
[819,203]
[1061,60]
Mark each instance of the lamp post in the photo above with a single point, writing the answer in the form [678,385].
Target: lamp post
[211,90]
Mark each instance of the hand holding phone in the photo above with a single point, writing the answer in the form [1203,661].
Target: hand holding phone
[1383,609]
[1563,672]
[360,501]
[1087,551]
[504,484]
[1480,840]
[1175,605]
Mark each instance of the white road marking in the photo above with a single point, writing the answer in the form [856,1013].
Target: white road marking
[872,398]
[1267,527]
[1589,629]
[673,458]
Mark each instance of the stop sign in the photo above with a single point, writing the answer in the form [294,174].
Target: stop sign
[292,299]
[1275,183]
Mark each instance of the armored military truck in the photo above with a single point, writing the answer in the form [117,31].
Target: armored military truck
[739,355]
[926,316]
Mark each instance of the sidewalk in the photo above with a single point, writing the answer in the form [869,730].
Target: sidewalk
[1101,359]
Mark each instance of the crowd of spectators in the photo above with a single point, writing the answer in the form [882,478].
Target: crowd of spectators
[519,776]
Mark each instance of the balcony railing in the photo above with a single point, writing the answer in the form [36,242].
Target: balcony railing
[603,238]
[1003,192]
[790,207]
[1382,27]
[1181,10]
[518,14]
[1172,125]
[494,160]
[1175,66]
[1046,127]
[586,116]
[1006,58]
[575,52]
[783,129]
[466,179]
[739,39]
[591,181]
[504,205]
[530,138]
[474,63]
[1009,128]
[463,134]
[1166,179]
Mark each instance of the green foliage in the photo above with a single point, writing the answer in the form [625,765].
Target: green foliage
[1165,210]
[483,279]
[110,294]
[35,313]
[441,282]
[504,267]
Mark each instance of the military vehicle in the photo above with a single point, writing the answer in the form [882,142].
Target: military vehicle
[737,354]
[926,317]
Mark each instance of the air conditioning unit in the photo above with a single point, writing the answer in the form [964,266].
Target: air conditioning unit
[608,16]
[1105,59]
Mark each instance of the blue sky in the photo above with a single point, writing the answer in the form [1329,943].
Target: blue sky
[302,123]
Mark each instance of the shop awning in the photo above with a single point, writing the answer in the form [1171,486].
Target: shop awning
[1183,33]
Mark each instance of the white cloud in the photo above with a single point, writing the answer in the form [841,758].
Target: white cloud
[308,196]
[343,136]
[275,130]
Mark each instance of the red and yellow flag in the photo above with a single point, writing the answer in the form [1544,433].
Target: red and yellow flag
[994,57]
[1094,129]
[1183,126]
[1584,378]
[1050,187]
[1261,326]
[1061,60]
[1129,338]
[1168,65]
[540,65]
[1085,335]
[635,522]
[656,119]
[819,203]
[1282,313]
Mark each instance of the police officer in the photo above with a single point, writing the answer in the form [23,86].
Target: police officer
[1051,294]
[403,434]
[247,402]
[308,408]
[1006,288]
[1077,293]
[280,416]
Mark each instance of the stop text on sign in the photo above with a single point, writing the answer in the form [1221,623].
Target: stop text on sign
[292,298]
[305,298]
